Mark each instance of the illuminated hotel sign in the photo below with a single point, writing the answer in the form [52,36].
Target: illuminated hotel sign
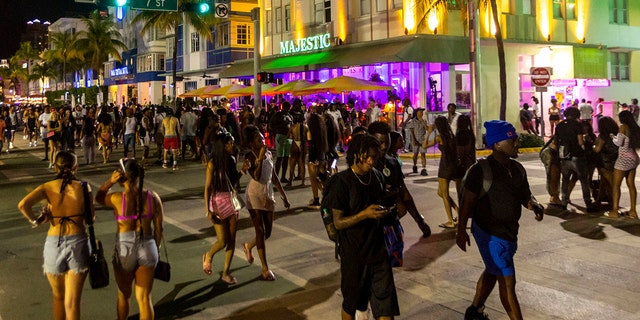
[119,72]
[316,42]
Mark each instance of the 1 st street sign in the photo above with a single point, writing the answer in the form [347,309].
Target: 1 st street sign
[157,5]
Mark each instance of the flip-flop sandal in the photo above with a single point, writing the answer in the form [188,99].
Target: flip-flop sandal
[229,279]
[609,214]
[247,253]
[268,276]
[447,226]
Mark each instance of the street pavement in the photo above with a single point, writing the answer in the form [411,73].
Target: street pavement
[571,265]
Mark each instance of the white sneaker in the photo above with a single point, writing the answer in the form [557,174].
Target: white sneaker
[10,145]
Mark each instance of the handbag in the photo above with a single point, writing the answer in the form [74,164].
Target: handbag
[51,134]
[222,204]
[226,203]
[163,269]
[98,268]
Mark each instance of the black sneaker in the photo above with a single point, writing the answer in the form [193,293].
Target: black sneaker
[424,172]
[415,169]
[474,313]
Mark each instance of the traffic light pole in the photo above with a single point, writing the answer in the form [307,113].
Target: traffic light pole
[257,86]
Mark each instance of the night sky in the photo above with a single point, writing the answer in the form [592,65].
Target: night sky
[14,15]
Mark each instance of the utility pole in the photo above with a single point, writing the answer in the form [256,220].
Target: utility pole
[257,87]
[474,66]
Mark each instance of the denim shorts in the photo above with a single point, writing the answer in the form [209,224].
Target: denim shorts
[496,253]
[65,253]
[130,140]
[131,251]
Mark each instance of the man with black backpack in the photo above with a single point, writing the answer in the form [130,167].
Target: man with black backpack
[573,159]
[494,191]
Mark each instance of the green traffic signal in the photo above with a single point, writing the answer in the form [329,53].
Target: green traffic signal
[121,3]
[203,7]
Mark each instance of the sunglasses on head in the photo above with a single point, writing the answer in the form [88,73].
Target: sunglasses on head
[122,161]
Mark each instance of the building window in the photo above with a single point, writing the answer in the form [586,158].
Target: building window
[620,66]
[269,22]
[365,7]
[557,9]
[619,12]
[287,17]
[190,85]
[569,11]
[397,4]
[195,42]
[243,34]
[150,62]
[322,11]
[529,7]
[381,5]
[278,20]
[222,35]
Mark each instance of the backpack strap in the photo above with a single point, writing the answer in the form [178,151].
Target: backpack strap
[487,177]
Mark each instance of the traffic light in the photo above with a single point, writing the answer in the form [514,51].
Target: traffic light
[121,3]
[264,77]
[204,7]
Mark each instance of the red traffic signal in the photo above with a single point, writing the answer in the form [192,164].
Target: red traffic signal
[264,77]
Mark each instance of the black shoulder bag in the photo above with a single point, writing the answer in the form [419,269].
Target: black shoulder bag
[163,269]
[98,269]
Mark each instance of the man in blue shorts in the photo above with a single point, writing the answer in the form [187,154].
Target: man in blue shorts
[494,199]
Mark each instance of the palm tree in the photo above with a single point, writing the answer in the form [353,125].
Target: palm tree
[13,73]
[425,7]
[63,50]
[28,54]
[169,21]
[100,41]
[43,70]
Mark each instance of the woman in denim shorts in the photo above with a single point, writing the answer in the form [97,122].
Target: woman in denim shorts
[66,250]
[138,213]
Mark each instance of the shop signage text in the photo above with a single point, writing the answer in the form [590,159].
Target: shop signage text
[119,72]
[316,42]
[597,83]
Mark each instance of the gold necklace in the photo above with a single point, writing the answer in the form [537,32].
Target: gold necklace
[368,182]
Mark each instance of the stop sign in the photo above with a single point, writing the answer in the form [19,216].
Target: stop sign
[540,76]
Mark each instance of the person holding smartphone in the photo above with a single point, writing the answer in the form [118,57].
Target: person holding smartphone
[355,202]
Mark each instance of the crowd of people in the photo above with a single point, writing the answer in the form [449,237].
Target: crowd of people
[280,145]
[600,162]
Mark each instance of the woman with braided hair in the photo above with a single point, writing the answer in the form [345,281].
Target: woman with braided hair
[66,249]
[138,215]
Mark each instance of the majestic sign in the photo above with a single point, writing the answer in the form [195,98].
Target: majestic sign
[316,42]
[540,77]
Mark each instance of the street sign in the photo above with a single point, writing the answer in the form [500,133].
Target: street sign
[540,76]
[157,5]
[222,10]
